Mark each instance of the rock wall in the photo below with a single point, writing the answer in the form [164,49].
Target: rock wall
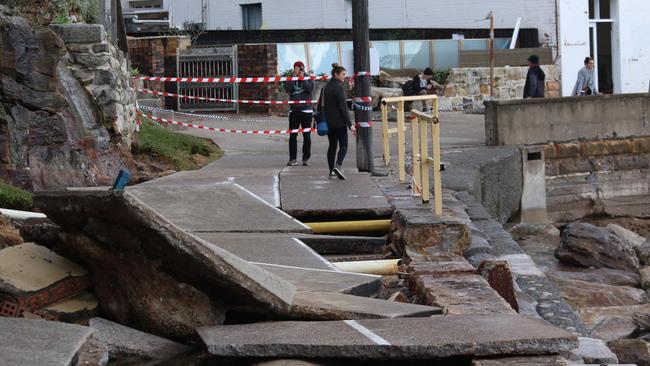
[66,110]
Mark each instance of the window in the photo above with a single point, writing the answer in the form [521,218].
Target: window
[416,55]
[445,54]
[389,54]
[322,55]
[288,53]
[251,16]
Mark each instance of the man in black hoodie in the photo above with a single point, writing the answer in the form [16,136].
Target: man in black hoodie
[300,115]
[535,78]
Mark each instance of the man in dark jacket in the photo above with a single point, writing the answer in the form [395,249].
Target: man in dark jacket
[423,85]
[535,78]
[300,115]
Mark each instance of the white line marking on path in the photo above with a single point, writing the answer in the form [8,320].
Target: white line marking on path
[313,269]
[308,248]
[273,207]
[367,332]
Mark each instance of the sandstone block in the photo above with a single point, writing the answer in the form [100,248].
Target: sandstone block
[79,33]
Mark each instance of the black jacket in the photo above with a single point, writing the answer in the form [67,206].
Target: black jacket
[417,87]
[336,108]
[534,87]
[299,90]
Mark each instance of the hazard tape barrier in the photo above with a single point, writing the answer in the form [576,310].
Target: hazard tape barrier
[220,100]
[208,116]
[244,101]
[233,80]
[226,130]
[361,107]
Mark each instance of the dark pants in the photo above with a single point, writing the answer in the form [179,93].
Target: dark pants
[300,120]
[337,135]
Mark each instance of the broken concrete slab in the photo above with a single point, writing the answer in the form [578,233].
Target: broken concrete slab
[523,361]
[423,338]
[311,197]
[271,249]
[77,309]
[93,353]
[327,280]
[129,246]
[28,342]
[32,276]
[219,207]
[125,342]
[341,306]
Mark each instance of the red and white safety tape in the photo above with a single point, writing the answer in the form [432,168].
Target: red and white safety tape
[226,130]
[244,101]
[232,80]
[217,117]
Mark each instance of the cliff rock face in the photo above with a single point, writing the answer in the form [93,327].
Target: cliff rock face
[66,110]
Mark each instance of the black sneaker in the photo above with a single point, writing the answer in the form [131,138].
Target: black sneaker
[292,162]
[332,175]
[339,173]
[305,163]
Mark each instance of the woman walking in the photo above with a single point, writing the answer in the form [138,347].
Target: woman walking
[338,120]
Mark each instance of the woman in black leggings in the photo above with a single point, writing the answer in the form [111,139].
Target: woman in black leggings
[338,120]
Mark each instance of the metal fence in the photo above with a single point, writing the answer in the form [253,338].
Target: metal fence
[196,62]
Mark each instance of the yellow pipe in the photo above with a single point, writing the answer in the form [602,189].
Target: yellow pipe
[349,226]
[384,267]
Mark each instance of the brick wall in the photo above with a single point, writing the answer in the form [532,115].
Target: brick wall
[157,56]
[257,60]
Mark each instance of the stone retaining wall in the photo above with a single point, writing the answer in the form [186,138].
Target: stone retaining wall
[103,70]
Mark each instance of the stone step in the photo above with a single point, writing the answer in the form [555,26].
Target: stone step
[32,276]
[422,338]
[29,342]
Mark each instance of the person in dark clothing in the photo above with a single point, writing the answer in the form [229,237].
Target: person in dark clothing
[535,78]
[300,115]
[423,85]
[334,105]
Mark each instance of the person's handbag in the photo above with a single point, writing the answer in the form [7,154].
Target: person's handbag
[321,120]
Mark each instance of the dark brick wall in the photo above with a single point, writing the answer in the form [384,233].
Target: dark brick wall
[257,60]
[157,56]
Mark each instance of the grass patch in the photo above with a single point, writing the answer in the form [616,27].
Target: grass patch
[184,152]
[15,198]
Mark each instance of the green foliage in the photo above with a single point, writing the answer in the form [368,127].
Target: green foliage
[174,147]
[65,11]
[135,71]
[15,198]
[440,76]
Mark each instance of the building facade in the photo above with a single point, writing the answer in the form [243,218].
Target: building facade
[610,31]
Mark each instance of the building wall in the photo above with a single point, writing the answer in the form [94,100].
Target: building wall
[318,14]
[574,40]
[631,50]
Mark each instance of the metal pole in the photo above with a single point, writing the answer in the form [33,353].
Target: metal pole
[361,51]
[491,55]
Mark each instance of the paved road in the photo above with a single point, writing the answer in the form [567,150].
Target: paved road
[255,162]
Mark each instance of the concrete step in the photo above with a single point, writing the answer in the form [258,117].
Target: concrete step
[319,280]
[423,338]
[28,342]
[341,306]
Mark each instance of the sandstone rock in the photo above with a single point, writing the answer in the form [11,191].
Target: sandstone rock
[643,251]
[594,351]
[581,294]
[637,313]
[590,246]
[79,33]
[378,93]
[93,353]
[614,277]
[522,361]
[9,235]
[644,274]
[499,276]
[614,327]
[629,236]
[631,351]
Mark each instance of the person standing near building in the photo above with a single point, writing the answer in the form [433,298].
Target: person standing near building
[300,115]
[535,79]
[337,115]
[586,83]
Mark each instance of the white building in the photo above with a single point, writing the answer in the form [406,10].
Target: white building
[614,32]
